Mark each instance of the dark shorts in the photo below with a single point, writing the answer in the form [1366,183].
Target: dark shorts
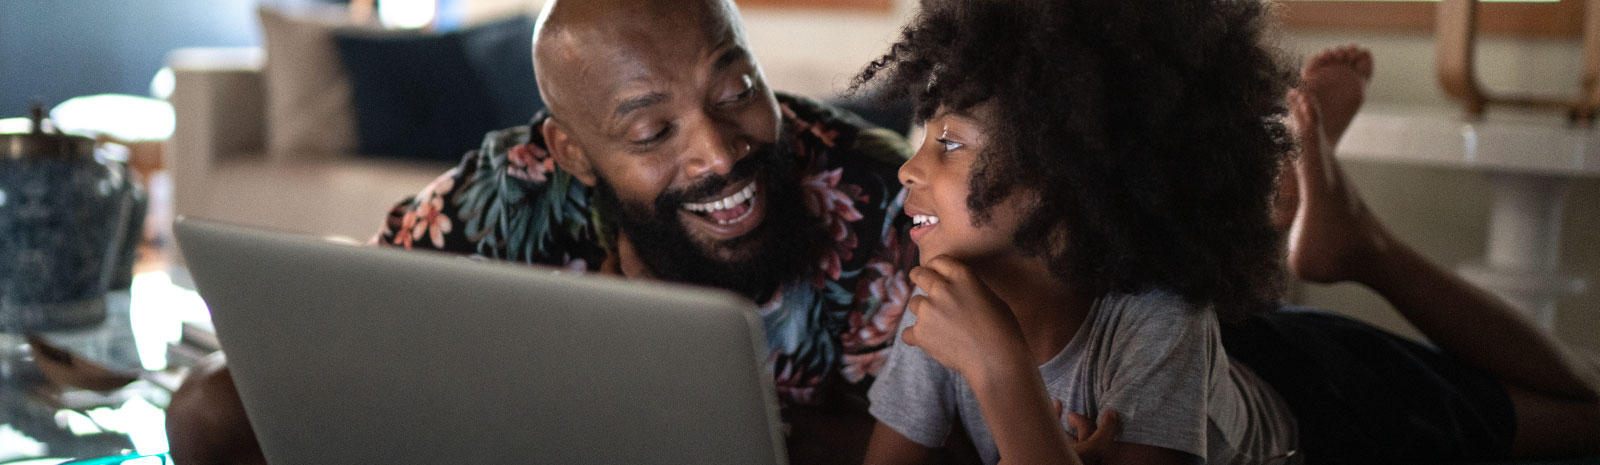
[1362,395]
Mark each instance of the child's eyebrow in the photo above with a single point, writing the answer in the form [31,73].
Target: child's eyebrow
[957,113]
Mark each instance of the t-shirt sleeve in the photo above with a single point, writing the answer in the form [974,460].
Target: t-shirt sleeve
[1158,372]
[914,394]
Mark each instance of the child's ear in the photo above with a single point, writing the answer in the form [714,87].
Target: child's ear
[566,151]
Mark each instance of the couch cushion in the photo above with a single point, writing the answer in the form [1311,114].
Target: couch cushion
[434,95]
[501,53]
[307,93]
[415,94]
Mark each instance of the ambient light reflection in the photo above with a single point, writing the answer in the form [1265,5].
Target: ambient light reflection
[407,14]
[144,423]
[157,312]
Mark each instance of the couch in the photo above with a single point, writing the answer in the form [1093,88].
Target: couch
[222,170]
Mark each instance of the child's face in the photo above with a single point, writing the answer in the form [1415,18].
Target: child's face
[937,181]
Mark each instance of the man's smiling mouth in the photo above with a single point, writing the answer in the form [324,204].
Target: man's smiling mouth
[732,209]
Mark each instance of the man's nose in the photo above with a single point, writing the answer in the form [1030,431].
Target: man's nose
[713,149]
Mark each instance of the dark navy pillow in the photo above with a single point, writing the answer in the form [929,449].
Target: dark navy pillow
[501,54]
[415,95]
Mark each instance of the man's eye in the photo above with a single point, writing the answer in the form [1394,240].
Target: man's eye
[657,137]
[746,89]
[950,145]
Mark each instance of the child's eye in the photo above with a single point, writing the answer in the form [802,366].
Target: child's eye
[950,145]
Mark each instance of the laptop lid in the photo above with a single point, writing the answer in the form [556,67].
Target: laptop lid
[352,354]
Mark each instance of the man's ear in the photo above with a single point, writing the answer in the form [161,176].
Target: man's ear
[568,154]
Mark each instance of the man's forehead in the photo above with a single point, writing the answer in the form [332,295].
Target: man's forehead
[603,59]
[670,21]
[632,68]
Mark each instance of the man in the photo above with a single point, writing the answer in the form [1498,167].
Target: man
[664,155]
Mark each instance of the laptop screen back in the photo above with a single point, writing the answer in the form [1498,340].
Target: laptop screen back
[350,354]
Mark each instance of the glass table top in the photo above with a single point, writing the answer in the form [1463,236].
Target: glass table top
[41,423]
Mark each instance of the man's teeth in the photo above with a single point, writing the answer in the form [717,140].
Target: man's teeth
[924,220]
[724,203]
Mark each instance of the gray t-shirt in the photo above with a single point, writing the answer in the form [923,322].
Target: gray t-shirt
[1152,357]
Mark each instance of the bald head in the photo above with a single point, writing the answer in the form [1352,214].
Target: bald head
[576,39]
[653,103]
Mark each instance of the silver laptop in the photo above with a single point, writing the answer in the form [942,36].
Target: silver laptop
[353,354]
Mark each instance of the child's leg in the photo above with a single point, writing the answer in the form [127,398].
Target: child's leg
[1337,80]
[1556,394]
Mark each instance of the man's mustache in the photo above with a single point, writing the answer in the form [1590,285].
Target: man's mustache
[759,158]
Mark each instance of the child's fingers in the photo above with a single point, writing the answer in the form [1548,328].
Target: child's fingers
[928,280]
[914,306]
[915,303]
[909,336]
[948,268]
[1056,403]
[1082,425]
[1110,426]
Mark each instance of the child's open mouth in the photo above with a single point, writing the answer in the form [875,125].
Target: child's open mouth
[921,224]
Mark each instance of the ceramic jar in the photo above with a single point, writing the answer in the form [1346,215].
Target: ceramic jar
[66,213]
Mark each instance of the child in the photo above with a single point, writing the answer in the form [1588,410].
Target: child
[1093,191]
[1098,131]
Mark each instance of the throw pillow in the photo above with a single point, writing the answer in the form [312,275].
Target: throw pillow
[434,95]
[501,53]
[307,93]
[415,94]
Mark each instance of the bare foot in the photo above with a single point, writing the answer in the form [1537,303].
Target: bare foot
[1332,237]
[1337,78]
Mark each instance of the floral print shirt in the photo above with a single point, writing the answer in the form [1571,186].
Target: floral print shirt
[827,333]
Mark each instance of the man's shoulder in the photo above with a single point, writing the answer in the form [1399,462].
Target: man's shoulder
[847,132]
[506,200]
[503,139]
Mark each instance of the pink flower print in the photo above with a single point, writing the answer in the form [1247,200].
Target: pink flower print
[402,237]
[858,367]
[773,304]
[833,203]
[427,218]
[829,267]
[529,162]
[892,291]
[431,222]
[827,135]
[792,384]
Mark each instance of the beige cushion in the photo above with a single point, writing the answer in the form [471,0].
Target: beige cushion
[308,95]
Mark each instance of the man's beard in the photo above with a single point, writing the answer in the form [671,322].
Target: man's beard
[785,244]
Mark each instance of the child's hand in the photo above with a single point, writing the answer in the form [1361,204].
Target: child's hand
[960,322]
[1092,442]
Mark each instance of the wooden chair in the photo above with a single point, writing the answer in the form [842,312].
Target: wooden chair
[1455,36]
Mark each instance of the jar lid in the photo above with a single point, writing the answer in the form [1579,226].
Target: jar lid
[41,144]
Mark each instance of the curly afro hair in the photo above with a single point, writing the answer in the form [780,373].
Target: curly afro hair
[1150,130]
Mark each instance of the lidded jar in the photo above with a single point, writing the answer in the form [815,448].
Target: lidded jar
[64,210]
